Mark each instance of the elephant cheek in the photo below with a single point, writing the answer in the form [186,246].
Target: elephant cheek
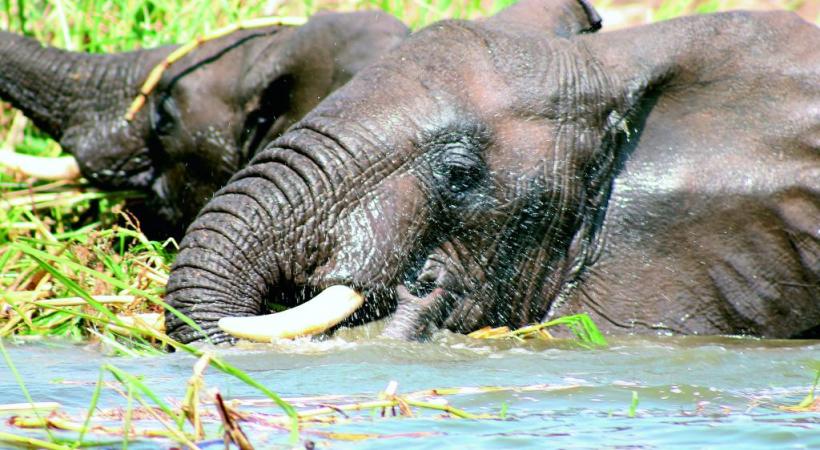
[379,238]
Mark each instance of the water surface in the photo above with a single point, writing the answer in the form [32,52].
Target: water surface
[692,392]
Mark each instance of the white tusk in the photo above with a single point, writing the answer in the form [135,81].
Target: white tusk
[60,168]
[332,306]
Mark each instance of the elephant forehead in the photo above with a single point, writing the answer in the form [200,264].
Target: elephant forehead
[421,95]
[450,56]
[492,68]
[522,147]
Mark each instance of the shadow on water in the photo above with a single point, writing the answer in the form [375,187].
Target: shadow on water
[689,391]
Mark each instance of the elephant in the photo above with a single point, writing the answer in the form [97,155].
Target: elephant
[209,114]
[664,179]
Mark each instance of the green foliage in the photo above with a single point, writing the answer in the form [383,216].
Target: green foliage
[708,6]
[581,325]
[110,25]
[21,384]
[672,8]
[633,406]
[583,328]
[808,401]
[418,13]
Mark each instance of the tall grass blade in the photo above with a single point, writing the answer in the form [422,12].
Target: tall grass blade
[22,386]
[131,381]
[92,407]
[633,406]
[24,441]
[129,411]
[809,400]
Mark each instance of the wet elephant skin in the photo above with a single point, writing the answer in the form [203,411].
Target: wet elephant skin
[664,178]
[210,113]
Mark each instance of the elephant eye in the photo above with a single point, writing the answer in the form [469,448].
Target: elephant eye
[460,178]
[460,169]
[165,116]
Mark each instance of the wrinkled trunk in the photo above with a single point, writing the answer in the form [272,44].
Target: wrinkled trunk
[417,318]
[56,88]
[256,241]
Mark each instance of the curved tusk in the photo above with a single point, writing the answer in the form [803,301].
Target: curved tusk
[61,168]
[330,307]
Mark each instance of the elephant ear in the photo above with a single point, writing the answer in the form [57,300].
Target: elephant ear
[294,72]
[719,173]
[559,17]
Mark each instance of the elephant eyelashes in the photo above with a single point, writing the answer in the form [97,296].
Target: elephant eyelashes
[461,169]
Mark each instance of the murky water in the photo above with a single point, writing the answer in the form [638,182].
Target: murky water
[692,392]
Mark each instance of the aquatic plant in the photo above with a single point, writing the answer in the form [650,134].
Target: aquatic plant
[204,415]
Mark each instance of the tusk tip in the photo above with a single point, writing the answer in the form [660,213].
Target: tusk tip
[45,168]
[238,327]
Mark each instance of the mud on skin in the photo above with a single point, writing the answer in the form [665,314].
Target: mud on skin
[663,178]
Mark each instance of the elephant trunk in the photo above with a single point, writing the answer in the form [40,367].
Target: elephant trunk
[56,88]
[256,242]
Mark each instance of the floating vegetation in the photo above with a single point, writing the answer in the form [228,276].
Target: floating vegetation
[810,403]
[204,414]
[581,326]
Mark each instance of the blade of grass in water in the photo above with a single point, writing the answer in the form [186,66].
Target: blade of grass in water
[633,406]
[22,385]
[131,382]
[807,402]
[25,441]
[92,407]
[129,409]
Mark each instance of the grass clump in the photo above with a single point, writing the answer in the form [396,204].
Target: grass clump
[581,326]
[67,249]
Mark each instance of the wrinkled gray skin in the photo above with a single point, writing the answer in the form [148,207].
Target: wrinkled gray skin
[211,112]
[664,178]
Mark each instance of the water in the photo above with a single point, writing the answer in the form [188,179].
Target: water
[692,392]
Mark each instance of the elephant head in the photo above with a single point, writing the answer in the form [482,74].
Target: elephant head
[211,110]
[467,179]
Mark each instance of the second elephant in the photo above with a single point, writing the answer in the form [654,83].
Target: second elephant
[210,113]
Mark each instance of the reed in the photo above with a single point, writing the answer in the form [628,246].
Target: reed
[205,416]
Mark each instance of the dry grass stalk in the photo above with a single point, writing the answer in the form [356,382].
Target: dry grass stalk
[156,73]
[28,407]
[60,423]
[233,433]
[79,301]
[190,405]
